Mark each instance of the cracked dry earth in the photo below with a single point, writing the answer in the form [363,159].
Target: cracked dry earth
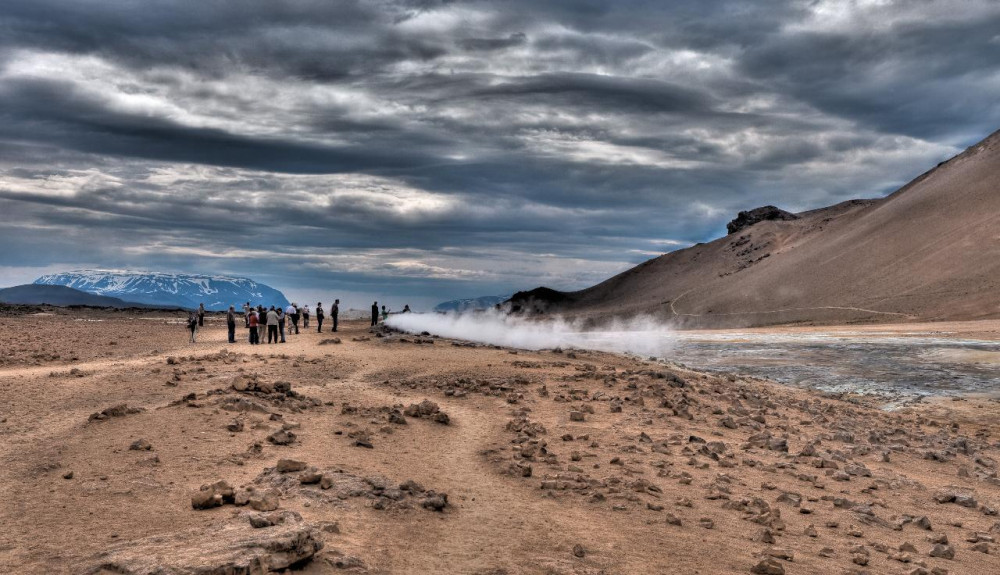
[404,454]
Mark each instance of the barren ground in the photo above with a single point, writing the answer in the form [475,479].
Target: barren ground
[669,471]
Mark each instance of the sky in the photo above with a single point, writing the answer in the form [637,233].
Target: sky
[420,151]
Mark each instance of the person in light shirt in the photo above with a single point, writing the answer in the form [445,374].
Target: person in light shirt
[292,311]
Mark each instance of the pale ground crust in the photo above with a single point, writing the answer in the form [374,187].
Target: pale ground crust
[656,446]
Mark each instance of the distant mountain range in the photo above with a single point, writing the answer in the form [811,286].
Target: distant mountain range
[35,294]
[165,289]
[472,304]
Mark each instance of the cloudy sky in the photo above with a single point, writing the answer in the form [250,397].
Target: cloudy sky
[424,150]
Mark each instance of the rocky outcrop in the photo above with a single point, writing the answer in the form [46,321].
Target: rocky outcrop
[237,548]
[748,218]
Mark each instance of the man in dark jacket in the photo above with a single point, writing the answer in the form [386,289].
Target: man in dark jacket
[319,317]
[334,312]
[201,315]
[374,314]
[231,324]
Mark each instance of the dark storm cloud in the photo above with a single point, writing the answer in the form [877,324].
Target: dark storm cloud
[461,147]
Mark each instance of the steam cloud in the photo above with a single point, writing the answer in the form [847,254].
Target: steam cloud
[642,336]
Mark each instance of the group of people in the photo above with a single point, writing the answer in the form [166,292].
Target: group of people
[272,321]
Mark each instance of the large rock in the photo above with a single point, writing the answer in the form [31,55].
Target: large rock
[235,548]
[748,218]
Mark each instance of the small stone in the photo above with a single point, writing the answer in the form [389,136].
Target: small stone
[213,495]
[943,551]
[576,416]
[281,437]
[435,501]
[768,566]
[140,445]
[290,465]
[68,475]
[579,551]
[265,501]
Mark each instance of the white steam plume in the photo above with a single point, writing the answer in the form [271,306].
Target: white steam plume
[643,336]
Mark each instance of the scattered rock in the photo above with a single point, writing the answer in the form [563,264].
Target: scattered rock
[140,445]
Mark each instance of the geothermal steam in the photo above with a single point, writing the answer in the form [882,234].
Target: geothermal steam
[643,336]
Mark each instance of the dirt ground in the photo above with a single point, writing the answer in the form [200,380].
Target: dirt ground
[551,462]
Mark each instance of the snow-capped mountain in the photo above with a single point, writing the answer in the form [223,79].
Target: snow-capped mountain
[182,290]
[471,304]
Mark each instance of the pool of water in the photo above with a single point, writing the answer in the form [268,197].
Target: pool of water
[899,365]
[907,366]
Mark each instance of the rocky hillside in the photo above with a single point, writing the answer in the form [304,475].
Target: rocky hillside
[929,251]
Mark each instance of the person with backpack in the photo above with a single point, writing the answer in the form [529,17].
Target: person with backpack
[334,312]
[305,316]
[319,317]
[192,325]
[231,323]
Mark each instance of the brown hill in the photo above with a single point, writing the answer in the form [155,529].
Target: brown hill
[929,251]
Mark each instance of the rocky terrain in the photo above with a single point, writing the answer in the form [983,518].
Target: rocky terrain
[365,452]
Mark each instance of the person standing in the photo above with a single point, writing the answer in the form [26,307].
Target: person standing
[201,315]
[319,317]
[261,323]
[253,324]
[305,316]
[334,312]
[231,323]
[272,326]
[246,314]
[192,325]
[374,314]
[292,311]
[385,314]
[281,322]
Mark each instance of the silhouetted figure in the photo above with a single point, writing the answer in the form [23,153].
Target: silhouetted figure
[319,317]
[261,323]
[374,314]
[281,323]
[385,314]
[201,315]
[406,308]
[192,325]
[231,324]
[334,312]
